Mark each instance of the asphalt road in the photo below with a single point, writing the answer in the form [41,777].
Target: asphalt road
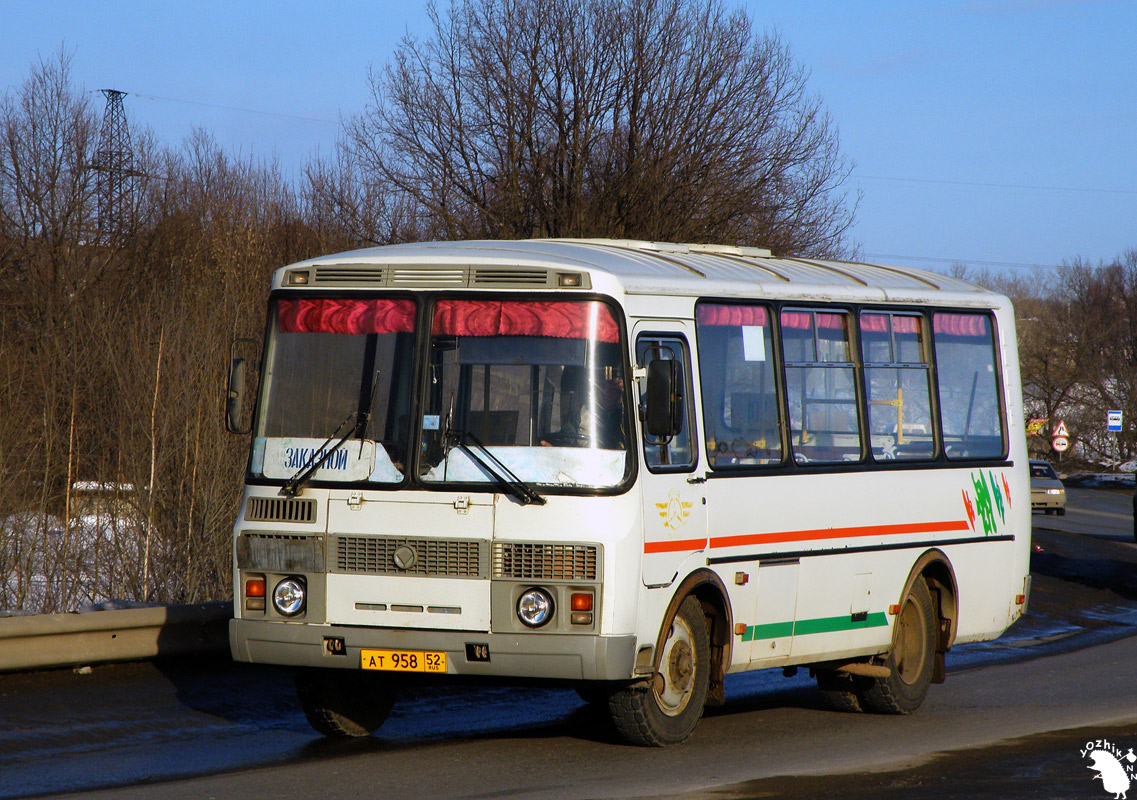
[1011,721]
[738,751]
[1101,513]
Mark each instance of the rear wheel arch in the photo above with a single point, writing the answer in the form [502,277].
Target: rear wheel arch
[935,569]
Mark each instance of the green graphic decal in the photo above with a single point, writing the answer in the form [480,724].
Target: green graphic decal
[997,492]
[984,505]
[804,627]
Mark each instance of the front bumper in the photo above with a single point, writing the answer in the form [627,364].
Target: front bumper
[535,655]
[1047,501]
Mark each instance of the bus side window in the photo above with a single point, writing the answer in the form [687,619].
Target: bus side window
[971,410]
[821,386]
[663,454]
[739,386]
[898,385]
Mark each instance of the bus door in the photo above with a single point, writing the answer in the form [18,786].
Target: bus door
[748,502]
[674,500]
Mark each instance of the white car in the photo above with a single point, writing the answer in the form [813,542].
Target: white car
[1046,489]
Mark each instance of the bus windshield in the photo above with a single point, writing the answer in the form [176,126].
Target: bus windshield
[539,384]
[536,384]
[329,359]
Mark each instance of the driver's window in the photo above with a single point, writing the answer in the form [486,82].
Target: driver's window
[674,453]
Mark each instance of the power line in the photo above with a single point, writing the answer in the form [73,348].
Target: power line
[237,109]
[965,261]
[995,185]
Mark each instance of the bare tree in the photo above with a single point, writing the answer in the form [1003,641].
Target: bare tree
[655,119]
[46,136]
[117,479]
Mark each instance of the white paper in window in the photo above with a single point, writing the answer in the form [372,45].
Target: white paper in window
[753,343]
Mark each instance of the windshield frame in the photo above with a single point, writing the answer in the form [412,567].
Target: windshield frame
[630,450]
[425,303]
[364,385]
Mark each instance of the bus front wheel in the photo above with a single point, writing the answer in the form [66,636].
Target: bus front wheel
[667,709]
[343,704]
[911,659]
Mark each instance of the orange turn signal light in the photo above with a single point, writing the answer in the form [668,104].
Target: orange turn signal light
[255,587]
[581,601]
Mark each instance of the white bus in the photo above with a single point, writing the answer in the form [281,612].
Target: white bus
[625,466]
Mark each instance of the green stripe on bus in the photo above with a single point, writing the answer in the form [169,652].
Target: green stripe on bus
[773,630]
[803,627]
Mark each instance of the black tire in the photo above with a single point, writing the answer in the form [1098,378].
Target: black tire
[839,690]
[343,704]
[667,709]
[910,660]
[1060,512]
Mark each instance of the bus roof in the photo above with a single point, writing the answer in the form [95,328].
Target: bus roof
[639,267]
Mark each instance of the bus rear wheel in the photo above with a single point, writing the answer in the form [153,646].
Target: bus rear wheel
[666,710]
[343,704]
[910,661]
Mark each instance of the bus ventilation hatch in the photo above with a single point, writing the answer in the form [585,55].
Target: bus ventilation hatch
[280,509]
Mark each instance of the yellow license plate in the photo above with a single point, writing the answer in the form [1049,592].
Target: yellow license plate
[403,661]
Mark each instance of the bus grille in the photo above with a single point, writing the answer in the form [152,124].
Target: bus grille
[280,509]
[435,558]
[280,552]
[544,562]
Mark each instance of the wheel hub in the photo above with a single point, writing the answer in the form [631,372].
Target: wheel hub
[681,666]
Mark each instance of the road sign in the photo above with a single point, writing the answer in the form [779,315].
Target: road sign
[1060,444]
[1061,430]
[1113,420]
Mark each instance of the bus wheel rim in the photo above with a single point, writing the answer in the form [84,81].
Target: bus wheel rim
[677,669]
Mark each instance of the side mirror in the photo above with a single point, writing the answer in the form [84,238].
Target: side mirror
[663,416]
[235,407]
[235,392]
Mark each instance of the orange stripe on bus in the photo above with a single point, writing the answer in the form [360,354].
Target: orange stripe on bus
[674,547]
[839,533]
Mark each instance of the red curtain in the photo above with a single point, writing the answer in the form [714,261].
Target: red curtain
[560,320]
[751,316]
[876,323]
[341,315]
[800,320]
[961,325]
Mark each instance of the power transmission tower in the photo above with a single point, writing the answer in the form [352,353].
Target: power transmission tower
[114,165]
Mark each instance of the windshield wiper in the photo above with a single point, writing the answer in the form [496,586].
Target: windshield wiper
[505,478]
[293,485]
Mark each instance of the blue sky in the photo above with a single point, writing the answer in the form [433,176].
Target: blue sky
[990,133]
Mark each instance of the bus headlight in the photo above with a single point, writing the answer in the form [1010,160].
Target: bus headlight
[289,596]
[535,608]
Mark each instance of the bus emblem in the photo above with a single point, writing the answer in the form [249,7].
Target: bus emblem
[404,556]
[675,511]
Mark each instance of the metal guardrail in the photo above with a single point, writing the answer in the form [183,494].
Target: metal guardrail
[100,637]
